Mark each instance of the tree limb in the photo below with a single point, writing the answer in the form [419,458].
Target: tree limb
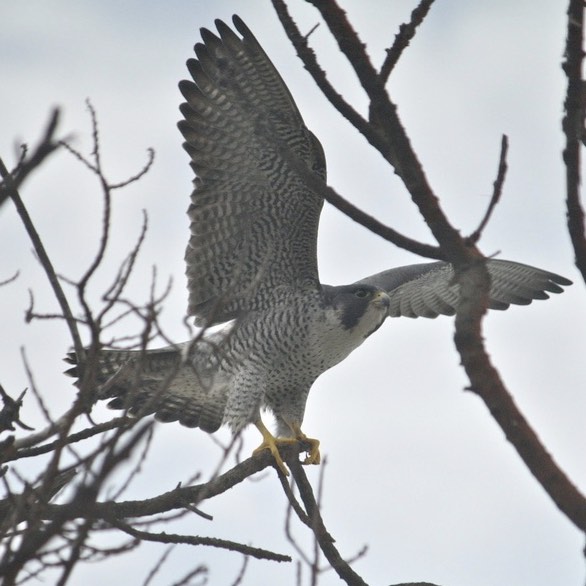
[28,164]
[403,38]
[470,273]
[256,552]
[325,540]
[573,127]
[179,497]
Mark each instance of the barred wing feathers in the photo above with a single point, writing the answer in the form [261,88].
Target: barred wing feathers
[254,222]
[428,289]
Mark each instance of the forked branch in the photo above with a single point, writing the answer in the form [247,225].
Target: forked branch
[386,133]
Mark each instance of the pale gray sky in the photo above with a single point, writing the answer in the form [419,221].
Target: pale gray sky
[416,468]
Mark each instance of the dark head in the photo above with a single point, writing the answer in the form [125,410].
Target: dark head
[361,308]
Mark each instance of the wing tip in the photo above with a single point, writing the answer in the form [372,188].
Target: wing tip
[241,26]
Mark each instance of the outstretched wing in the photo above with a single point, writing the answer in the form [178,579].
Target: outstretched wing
[428,290]
[253,220]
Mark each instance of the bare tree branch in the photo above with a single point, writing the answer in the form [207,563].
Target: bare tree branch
[10,413]
[256,552]
[471,274]
[485,381]
[187,580]
[364,127]
[496,192]
[394,144]
[179,497]
[40,535]
[325,540]
[403,38]
[573,127]
[23,446]
[28,164]
[10,185]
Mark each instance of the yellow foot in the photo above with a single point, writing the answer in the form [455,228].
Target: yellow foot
[313,455]
[272,443]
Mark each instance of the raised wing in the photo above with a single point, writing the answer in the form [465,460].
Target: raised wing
[253,220]
[428,290]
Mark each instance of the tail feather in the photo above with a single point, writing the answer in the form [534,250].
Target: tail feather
[161,382]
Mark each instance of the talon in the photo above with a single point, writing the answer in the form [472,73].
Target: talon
[313,455]
[271,443]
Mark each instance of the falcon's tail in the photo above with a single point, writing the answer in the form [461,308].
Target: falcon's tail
[159,381]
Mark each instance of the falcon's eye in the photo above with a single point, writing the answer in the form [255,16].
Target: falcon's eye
[362,293]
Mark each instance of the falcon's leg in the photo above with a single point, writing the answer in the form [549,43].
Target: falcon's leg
[270,442]
[313,456]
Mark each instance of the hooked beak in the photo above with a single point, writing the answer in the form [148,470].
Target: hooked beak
[381,300]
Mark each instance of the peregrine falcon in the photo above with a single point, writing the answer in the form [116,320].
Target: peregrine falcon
[252,265]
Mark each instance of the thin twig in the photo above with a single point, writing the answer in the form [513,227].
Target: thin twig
[33,541]
[187,580]
[11,188]
[393,142]
[242,571]
[256,552]
[28,164]
[9,280]
[307,56]
[294,506]
[146,168]
[403,38]
[158,565]
[496,191]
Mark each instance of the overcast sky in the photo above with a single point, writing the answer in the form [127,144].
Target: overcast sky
[416,468]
